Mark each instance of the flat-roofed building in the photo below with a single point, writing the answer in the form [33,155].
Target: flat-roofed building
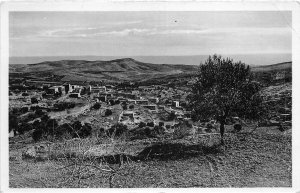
[97,89]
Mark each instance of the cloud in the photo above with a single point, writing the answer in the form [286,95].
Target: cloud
[94,32]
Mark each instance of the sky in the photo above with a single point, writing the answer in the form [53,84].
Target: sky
[149,33]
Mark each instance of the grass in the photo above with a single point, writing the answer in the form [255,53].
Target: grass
[261,160]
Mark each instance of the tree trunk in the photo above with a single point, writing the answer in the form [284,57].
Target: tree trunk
[222,129]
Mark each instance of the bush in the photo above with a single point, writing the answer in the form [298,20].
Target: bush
[34,100]
[96,106]
[237,127]
[63,130]
[168,126]
[171,116]
[148,131]
[63,106]
[85,131]
[159,130]
[15,111]
[24,109]
[13,123]
[37,135]
[39,112]
[131,106]
[25,94]
[117,130]
[33,108]
[112,102]
[101,132]
[150,124]
[161,124]
[142,124]
[108,112]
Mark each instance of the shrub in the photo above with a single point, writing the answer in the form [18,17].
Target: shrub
[15,111]
[63,106]
[24,109]
[37,135]
[131,106]
[147,131]
[25,94]
[158,130]
[39,112]
[33,108]
[168,126]
[34,100]
[117,130]
[142,124]
[101,132]
[112,102]
[124,106]
[85,131]
[13,122]
[171,116]
[108,112]
[237,127]
[161,124]
[96,106]
[150,124]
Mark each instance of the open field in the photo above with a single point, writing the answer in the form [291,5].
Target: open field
[263,159]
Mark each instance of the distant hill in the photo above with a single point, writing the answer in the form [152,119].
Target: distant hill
[273,67]
[117,70]
[114,70]
[251,59]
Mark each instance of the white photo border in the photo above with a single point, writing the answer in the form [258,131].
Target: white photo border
[7,7]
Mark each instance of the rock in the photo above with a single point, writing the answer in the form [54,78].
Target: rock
[37,152]
[29,153]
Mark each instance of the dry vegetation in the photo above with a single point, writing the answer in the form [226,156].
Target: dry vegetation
[262,159]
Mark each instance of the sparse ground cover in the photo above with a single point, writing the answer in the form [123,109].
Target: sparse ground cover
[262,159]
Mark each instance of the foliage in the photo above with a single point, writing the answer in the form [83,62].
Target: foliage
[49,128]
[225,88]
[124,106]
[25,94]
[142,124]
[34,101]
[63,106]
[39,112]
[161,124]
[96,106]
[171,116]
[131,106]
[24,109]
[117,130]
[150,124]
[13,122]
[33,108]
[108,112]
[37,135]
[158,130]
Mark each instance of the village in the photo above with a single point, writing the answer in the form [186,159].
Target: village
[127,104]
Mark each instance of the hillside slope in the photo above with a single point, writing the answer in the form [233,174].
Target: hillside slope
[120,69]
[279,66]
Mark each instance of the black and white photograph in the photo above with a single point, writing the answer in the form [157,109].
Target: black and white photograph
[150,98]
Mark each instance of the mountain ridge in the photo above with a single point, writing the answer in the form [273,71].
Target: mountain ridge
[117,69]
